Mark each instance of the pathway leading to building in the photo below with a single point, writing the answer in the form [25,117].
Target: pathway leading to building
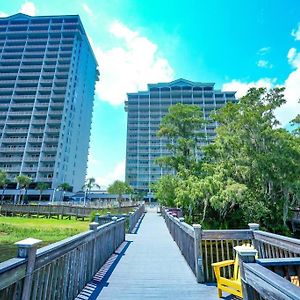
[153,268]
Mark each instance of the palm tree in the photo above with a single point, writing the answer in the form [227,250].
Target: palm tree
[41,186]
[23,183]
[119,187]
[4,181]
[64,187]
[89,184]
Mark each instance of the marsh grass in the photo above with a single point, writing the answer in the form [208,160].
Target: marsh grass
[13,229]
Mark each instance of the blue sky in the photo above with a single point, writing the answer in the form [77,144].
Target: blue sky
[236,44]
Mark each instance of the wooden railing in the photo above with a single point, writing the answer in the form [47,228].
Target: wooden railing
[201,248]
[60,270]
[270,245]
[269,278]
[51,210]
[135,216]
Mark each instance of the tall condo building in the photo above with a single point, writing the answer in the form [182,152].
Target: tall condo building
[145,110]
[47,80]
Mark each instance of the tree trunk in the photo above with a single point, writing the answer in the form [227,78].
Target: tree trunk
[40,198]
[120,201]
[2,196]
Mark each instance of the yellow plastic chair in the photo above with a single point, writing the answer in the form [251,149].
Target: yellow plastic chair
[231,285]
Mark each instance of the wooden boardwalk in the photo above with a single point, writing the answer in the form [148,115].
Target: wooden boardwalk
[153,268]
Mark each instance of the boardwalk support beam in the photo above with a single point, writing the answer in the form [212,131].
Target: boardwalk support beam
[198,253]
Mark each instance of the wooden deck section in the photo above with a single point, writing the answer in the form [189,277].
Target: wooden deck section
[153,268]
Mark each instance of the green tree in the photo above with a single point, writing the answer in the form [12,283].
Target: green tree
[4,181]
[181,129]
[296,125]
[41,186]
[90,183]
[119,188]
[23,183]
[164,190]
[64,187]
[255,163]
[138,195]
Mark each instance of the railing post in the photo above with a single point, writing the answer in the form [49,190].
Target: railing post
[253,227]
[131,221]
[93,226]
[198,253]
[27,249]
[114,219]
[246,256]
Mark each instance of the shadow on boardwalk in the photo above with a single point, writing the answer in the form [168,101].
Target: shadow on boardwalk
[149,265]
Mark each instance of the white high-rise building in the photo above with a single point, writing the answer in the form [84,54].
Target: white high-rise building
[47,80]
[146,109]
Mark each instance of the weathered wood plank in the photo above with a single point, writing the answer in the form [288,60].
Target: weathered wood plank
[268,284]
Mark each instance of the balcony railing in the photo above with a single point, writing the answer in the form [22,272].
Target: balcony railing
[8,149]
[47,158]
[15,140]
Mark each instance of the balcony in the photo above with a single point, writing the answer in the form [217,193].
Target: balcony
[56,112]
[14,140]
[49,149]
[11,169]
[20,113]
[18,130]
[33,149]
[40,113]
[21,105]
[46,169]
[8,149]
[35,140]
[37,130]
[31,159]
[54,121]
[11,159]
[52,130]
[38,122]
[29,169]
[17,121]
[47,158]
[51,140]
[23,97]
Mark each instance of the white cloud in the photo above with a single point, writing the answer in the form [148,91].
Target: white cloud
[292,88]
[296,33]
[3,14]
[294,58]
[241,88]
[118,173]
[262,63]
[87,9]
[28,8]
[129,66]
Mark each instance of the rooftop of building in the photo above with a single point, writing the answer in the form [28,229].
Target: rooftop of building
[180,83]
[22,17]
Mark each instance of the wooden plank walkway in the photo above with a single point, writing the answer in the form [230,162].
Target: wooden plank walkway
[153,268]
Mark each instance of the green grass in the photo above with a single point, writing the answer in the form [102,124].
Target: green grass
[13,229]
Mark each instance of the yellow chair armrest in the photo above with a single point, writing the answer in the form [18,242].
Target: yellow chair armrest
[223,263]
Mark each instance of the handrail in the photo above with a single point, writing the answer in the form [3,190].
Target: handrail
[88,250]
[259,282]
[276,240]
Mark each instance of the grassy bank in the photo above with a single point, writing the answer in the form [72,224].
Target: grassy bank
[13,229]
